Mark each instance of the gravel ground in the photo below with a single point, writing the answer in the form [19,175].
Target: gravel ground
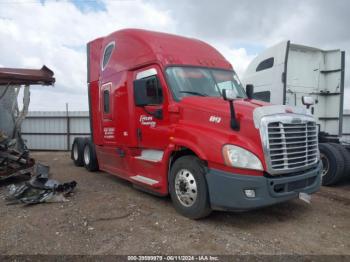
[106,215]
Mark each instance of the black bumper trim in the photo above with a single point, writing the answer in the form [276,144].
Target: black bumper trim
[226,190]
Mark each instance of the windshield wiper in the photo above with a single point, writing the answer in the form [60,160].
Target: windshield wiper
[193,93]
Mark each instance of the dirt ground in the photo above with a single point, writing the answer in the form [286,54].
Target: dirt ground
[106,215]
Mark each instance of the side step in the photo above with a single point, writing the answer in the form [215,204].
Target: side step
[151,155]
[146,180]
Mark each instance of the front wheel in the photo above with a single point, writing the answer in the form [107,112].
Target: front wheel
[188,188]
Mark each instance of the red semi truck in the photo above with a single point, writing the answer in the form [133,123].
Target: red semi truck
[169,114]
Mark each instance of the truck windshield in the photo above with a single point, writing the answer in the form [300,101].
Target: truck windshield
[197,81]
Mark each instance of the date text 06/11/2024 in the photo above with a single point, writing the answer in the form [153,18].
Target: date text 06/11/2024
[172,258]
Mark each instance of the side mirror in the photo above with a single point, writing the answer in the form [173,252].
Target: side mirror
[147,91]
[228,94]
[249,89]
[307,101]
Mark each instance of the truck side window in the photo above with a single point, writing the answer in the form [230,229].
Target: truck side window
[148,91]
[263,96]
[107,54]
[106,101]
[266,64]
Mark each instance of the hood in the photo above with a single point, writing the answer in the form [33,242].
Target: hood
[213,114]
[205,122]
[207,110]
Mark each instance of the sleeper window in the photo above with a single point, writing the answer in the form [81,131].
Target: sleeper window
[107,54]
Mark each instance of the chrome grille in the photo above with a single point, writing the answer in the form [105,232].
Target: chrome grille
[291,144]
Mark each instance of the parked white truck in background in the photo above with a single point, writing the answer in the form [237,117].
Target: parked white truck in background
[298,75]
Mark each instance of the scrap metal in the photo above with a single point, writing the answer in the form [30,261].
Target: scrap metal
[14,155]
[40,189]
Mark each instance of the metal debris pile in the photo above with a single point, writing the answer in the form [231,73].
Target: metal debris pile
[13,162]
[15,159]
[14,154]
[40,189]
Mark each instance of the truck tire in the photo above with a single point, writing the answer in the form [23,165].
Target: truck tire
[89,156]
[188,187]
[77,151]
[346,155]
[333,164]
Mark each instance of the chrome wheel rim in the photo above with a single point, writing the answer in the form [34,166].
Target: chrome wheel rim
[75,151]
[87,155]
[325,164]
[185,187]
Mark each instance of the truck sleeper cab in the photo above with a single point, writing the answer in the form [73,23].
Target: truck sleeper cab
[159,120]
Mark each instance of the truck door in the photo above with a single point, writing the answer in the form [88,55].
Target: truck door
[152,121]
[113,161]
[152,125]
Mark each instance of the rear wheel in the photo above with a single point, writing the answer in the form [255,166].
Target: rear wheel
[346,155]
[188,188]
[77,151]
[89,156]
[333,164]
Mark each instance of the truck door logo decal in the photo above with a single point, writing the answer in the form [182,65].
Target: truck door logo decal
[215,119]
[147,121]
[108,132]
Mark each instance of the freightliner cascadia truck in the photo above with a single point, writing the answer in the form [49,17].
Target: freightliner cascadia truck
[169,114]
[292,74]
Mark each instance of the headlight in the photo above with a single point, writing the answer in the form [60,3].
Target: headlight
[239,157]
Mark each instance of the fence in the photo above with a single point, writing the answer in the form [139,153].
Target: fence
[44,130]
[54,130]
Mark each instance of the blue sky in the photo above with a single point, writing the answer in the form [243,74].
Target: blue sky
[85,5]
[89,5]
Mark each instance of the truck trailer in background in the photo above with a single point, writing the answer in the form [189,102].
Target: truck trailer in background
[169,114]
[297,75]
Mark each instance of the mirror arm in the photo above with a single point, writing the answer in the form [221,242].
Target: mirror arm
[234,122]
